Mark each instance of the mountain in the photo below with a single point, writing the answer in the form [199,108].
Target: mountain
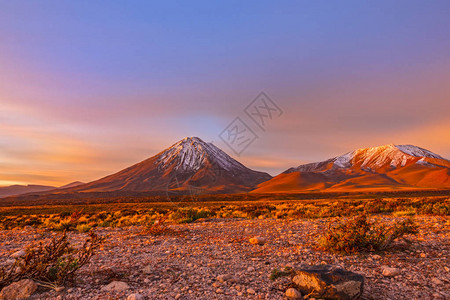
[17,189]
[377,168]
[190,164]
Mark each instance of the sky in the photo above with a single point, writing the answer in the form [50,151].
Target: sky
[88,88]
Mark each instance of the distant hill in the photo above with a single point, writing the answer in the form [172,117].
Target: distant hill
[14,190]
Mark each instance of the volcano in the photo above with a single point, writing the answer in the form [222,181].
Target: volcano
[387,167]
[190,164]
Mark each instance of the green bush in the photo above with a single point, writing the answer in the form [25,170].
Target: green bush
[359,234]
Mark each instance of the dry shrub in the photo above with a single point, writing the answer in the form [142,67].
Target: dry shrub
[158,227]
[189,215]
[75,216]
[51,264]
[359,234]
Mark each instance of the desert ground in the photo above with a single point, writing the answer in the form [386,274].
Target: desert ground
[211,257]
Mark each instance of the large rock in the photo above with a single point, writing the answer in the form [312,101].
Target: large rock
[22,289]
[329,282]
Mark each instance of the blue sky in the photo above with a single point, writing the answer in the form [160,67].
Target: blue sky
[90,87]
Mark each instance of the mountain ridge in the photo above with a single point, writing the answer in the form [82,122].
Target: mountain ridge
[382,167]
[192,165]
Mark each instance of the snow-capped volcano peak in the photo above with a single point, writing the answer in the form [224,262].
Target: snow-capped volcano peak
[386,156]
[192,153]
[188,163]
[375,168]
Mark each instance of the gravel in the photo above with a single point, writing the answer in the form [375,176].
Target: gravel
[215,260]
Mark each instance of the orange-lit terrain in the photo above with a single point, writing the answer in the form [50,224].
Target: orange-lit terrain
[379,168]
[191,222]
[225,150]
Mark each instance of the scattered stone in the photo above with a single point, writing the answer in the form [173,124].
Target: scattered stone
[135,297]
[224,277]
[330,282]
[117,286]
[148,269]
[436,281]
[293,293]
[209,249]
[390,272]
[257,240]
[251,291]
[219,291]
[18,290]
[18,254]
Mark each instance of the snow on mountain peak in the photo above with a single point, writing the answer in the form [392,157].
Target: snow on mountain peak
[417,151]
[191,153]
[390,155]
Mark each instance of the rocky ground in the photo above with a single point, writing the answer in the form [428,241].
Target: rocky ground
[213,259]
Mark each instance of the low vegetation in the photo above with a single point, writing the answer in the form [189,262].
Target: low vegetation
[61,218]
[157,227]
[361,234]
[52,264]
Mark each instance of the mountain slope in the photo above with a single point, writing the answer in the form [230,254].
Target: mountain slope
[377,168]
[190,163]
[72,184]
